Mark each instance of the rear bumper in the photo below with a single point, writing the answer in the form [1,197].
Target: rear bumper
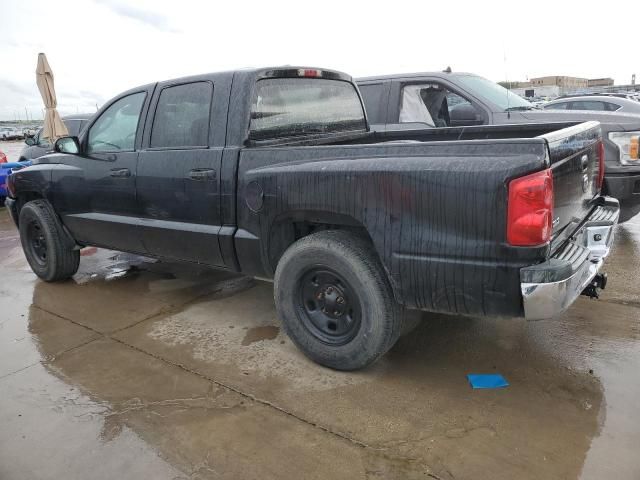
[550,288]
[623,186]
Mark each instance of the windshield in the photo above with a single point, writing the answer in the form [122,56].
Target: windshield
[497,94]
[285,107]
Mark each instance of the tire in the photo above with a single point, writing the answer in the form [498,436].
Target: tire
[49,253]
[315,273]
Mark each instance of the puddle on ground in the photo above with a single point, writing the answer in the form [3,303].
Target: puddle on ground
[257,334]
[202,334]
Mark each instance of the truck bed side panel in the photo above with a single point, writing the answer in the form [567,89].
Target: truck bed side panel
[433,211]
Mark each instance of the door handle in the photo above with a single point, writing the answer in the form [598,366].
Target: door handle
[120,172]
[202,174]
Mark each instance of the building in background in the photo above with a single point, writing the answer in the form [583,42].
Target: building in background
[564,83]
[544,92]
[555,85]
[600,82]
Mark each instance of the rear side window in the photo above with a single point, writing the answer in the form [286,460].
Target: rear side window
[588,105]
[182,116]
[611,107]
[556,106]
[73,127]
[286,107]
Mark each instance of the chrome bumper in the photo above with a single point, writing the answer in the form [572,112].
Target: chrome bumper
[590,245]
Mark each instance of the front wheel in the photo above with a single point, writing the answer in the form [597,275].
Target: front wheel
[48,252]
[335,301]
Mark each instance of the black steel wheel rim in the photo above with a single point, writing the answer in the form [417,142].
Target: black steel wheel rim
[328,306]
[37,242]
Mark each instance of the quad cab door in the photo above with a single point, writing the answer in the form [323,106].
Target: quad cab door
[178,173]
[95,190]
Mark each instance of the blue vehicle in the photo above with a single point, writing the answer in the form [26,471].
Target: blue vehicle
[5,170]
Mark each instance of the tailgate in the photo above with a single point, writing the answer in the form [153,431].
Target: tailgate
[573,153]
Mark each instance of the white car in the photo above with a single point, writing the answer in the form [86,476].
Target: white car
[10,133]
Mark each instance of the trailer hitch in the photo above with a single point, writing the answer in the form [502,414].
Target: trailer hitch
[598,283]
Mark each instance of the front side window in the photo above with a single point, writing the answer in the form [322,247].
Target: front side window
[437,106]
[286,107]
[182,116]
[116,128]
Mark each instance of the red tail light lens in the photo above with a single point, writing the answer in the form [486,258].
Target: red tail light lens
[530,209]
[600,179]
[3,158]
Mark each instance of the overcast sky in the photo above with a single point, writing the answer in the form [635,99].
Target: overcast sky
[98,48]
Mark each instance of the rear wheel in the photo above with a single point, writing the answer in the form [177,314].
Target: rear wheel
[335,301]
[49,253]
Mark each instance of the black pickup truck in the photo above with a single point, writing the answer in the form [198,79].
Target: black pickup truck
[274,173]
[457,99]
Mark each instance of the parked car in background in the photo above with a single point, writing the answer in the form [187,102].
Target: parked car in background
[600,103]
[451,99]
[627,95]
[10,133]
[274,173]
[38,145]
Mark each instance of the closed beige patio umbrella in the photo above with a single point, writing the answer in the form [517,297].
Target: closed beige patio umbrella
[53,126]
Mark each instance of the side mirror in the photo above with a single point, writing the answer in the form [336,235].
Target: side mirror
[30,141]
[67,145]
[465,114]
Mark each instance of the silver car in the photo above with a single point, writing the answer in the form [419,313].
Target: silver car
[602,103]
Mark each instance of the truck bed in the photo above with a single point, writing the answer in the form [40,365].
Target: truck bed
[432,201]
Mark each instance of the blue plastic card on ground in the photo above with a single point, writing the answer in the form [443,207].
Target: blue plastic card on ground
[487,380]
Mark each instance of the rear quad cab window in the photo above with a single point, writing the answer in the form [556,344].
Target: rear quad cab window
[288,107]
[116,129]
[182,116]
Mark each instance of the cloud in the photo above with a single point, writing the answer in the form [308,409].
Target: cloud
[145,17]
[16,88]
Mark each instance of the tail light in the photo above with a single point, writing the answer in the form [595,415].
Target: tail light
[3,158]
[530,209]
[600,179]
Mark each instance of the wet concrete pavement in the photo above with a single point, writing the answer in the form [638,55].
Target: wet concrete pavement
[168,371]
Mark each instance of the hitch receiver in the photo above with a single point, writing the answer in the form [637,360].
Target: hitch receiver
[598,283]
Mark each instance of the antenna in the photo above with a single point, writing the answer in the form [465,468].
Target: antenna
[506,76]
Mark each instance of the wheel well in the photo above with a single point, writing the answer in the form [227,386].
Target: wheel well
[287,229]
[24,198]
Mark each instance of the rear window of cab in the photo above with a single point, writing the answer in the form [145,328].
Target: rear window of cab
[289,107]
